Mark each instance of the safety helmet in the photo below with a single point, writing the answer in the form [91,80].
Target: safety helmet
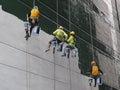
[93,62]
[60,27]
[35,7]
[72,33]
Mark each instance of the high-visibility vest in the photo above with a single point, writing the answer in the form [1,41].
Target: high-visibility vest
[34,13]
[95,70]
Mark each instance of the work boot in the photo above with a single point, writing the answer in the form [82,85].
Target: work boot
[47,50]
[27,35]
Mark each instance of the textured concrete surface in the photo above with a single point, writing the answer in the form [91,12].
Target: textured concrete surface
[25,66]
[107,33]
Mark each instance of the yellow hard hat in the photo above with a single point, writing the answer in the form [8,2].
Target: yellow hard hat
[60,27]
[93,62]
[72,33]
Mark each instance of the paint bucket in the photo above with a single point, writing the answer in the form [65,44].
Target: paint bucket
[99,81]
[36,30]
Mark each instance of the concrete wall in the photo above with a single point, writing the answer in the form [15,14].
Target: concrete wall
[107,32]
[24,65]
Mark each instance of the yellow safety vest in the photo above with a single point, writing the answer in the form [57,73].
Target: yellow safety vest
[34,13]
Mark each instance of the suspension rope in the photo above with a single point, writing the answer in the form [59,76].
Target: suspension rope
[91,39]
[27,63]
[27,67]
[69,53]
[91,34]
[54,71]
[55,47]
[69,17]
[57,12]
[33,3]
[70,72]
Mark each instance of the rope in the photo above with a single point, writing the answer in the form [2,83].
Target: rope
[27,68]
[70,73]
[54,70]
[91,39]
[33,3]
[27,63]
[69,17]
[57,12]
[69,52]
[55,47]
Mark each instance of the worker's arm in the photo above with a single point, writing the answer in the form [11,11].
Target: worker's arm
[55,32]
[65,35]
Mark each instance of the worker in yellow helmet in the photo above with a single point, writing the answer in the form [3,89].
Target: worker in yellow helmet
[71,42]
[95,72]
[59,36]
[34,18]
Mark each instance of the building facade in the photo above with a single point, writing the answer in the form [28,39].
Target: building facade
[97,27]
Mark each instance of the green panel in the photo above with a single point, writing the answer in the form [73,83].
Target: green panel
[16,7]
[51,4]
[47,10]
[63,8]
[63,22]
[1,2]
[85,55]
[80,17]
[47,25]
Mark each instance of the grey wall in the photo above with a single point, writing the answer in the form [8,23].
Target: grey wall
[107,31]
